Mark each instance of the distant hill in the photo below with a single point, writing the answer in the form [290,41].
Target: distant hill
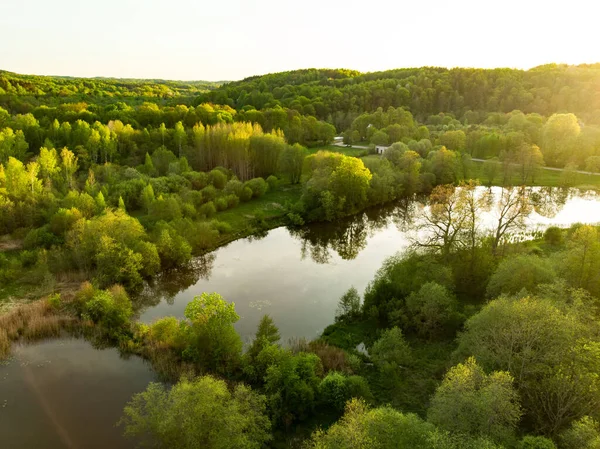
[329,93]
[55,90]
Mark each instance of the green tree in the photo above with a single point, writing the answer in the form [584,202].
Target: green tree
[292,161]
[583,434]
[291,386]
[215,345]
[521,272]
[69,165]
[469,401]
[491,168]
[547,351]
[559,137]
[201,412]
[390,351]
[348,305]
[433,310]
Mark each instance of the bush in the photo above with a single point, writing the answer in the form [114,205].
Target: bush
[209,193]
[531,442]
[234,187]
[198,180]
[221,226]
[232,201]
[333,391]
[258,186]
[54,301]
[40,237]
[246,194]
[110,309]
[168,332]
[208,209]
[217,178]
[272,181]
[221,204]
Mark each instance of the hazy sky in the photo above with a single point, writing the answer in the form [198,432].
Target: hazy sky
[232,39]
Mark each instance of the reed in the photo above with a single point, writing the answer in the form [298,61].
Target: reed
[33,321]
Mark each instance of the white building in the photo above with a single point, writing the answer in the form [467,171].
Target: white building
[380,149]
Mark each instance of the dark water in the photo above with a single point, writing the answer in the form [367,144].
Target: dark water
[66,394]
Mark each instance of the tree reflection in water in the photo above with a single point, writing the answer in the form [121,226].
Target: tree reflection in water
[348,237]
[548,201]
[168,284]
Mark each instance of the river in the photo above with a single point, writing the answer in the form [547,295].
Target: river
[66,394]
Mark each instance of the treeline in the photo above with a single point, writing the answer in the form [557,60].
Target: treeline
[23,92]
[561,140]
[338,96]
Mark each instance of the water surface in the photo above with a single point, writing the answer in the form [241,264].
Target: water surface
[64,394]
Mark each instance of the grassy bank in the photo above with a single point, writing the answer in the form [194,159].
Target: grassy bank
[545,178]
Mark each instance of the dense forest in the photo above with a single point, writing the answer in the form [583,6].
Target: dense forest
[472,339]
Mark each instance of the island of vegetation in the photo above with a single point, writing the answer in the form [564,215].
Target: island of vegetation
[471,339]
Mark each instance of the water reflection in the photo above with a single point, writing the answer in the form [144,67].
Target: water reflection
[167,285]
[348,237]
[548,201]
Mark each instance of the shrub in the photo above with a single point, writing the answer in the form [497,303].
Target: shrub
[221,204]
[232,201]
[209,193]
[234,187]
[217,178]
[258,186]
[54,300]
[208,209]
[221,226]
[333,391]
[246,194]
[531,442]
[111,308]
[272,181]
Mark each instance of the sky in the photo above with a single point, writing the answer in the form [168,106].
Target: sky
[233,39]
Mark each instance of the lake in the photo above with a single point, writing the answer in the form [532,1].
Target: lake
[70,395]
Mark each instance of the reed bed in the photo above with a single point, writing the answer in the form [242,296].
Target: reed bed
[33,321]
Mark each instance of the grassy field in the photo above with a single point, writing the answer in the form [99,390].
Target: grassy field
[550,178]
[270,206]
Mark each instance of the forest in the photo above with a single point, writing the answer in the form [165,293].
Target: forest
[471,339]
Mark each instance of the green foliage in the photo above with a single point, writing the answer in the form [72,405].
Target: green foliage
[336,389]
[111,309]
[391,351]
[398,277]
[291,386]
[530,442]
[348,305]
[433,311]
[470,402]
[198,411]
[544,344]
[553,236]
[521,272]
[258,186]
[583,434]
[214,344]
